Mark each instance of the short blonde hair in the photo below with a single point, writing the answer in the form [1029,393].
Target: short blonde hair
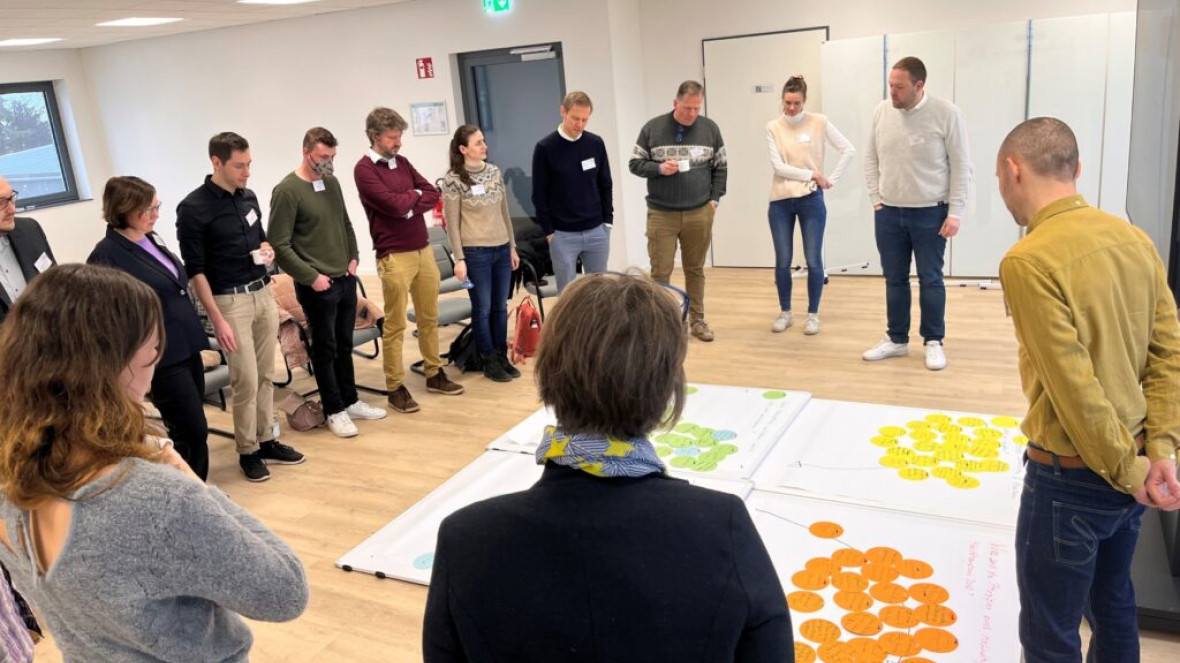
[576,98]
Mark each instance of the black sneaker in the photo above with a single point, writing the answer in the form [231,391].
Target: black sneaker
[493,369]
[253,467]
[507,364]
[280,454]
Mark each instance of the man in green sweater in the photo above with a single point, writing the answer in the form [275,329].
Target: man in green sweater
[682,156]
[314,243]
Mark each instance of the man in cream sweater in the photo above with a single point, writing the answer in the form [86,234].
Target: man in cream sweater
[918,170]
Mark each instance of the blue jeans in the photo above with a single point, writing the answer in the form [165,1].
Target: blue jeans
[592,246]
[813,216]
[900,232]
[489,268]
[1075,538]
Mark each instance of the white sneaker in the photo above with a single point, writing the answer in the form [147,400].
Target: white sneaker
[886,349]
[783,321]
[935,357]
[362,410]
[811,326]
[342,425]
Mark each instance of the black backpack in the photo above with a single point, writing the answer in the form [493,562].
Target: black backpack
[463,353]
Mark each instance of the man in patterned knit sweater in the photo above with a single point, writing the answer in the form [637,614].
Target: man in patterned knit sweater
[683,158]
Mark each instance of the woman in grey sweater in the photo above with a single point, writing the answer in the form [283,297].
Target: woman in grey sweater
[104,528]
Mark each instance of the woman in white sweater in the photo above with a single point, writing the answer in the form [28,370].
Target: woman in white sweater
[796,142]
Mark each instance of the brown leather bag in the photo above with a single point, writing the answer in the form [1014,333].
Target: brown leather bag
[302,414]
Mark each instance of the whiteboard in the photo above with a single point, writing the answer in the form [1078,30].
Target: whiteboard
[990,64]
[953,464]
[744,77]
[1068,69]
[1116,132]
[724,433]
[852,82]
[874,585]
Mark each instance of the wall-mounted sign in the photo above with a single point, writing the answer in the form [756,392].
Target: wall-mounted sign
[497,6]
[425,67]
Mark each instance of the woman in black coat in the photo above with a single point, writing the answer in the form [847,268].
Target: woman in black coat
[606,557]
[131,209]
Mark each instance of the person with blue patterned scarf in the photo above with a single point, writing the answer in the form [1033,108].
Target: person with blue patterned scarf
[607,557]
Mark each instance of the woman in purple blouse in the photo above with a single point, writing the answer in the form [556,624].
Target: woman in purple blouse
[131,209]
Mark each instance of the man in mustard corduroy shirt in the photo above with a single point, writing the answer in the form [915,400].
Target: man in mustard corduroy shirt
[1100,365]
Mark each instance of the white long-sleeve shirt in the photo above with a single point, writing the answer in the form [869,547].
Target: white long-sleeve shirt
[919,157]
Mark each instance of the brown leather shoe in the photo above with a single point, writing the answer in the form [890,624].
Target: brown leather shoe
[700,329]
[401,400]
[441,384]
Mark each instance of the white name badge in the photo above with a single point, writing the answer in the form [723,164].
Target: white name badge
[588,164]
[917,139]
[697,152]
[477,190]
[804,138]
[43,263]
[318,186]
[252,217]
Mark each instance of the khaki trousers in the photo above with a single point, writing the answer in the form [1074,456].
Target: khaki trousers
[255,322]
[409,275]
[693,229]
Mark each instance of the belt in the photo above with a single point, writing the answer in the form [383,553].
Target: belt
[253,286]
[1042,457]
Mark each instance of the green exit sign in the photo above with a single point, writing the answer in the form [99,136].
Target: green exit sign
[497,6]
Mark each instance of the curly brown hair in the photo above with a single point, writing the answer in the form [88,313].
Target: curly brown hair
[64,412]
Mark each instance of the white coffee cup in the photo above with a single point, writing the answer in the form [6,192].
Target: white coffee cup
[684,165]
[256,256]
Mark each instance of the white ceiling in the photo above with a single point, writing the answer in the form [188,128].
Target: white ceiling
[74,20]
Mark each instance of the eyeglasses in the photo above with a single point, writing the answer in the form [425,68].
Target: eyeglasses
[155,208]
[4,202]
[678,294]
[684,299]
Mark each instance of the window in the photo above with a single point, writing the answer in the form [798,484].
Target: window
[33,155]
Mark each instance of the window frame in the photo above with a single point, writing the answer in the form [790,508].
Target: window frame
[70,195]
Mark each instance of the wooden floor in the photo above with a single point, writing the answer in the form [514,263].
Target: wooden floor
[348,489]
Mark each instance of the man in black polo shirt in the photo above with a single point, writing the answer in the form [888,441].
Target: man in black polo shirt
[226,255]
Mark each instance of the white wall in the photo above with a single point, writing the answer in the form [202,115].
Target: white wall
[677,27]
[84,138]
[148,107]
[161,99]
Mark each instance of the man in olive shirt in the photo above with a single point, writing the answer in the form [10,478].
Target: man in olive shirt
[1100,364]
[314,243]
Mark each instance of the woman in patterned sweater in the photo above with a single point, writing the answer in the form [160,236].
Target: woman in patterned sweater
[475,205]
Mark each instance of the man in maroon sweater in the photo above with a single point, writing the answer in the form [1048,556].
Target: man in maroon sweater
[395,196]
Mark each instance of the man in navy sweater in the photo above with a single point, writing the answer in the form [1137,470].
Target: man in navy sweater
[572,192]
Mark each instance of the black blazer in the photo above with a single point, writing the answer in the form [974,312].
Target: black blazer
[581,568]
[183,334]
[29,244]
